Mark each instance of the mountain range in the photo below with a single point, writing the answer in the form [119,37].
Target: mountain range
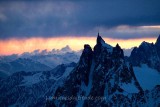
[30,88]
[102,77]
[36,61]
[39,60]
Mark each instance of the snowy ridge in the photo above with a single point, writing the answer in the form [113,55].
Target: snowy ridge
[146,53]
[22,64]
[37,60]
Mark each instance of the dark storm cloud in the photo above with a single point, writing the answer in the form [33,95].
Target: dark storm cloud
[53,18]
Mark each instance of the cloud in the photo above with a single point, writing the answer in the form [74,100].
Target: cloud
[3,17]
[18,46]
[54,18]
[128,32]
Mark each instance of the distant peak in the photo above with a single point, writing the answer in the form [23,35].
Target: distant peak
[158,41]
[66,48]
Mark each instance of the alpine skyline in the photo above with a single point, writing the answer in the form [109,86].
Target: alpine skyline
[25,24]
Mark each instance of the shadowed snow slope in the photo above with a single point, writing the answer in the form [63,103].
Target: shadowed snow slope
[147,77]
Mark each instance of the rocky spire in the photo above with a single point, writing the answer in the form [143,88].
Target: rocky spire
[98,46]
[100,41]
[117,52]
[86,56]
[87,49]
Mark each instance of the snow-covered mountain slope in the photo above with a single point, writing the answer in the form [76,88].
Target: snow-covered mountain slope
[8,58]
[56,59]
[22,64]
[103,78]
[28,89]
[127,52]
[146,53]
[147,77]
[37,60]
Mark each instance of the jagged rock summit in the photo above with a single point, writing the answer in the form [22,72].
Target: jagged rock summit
[147,53]
[102,78]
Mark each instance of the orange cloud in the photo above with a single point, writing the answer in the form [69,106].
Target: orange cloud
[19,46]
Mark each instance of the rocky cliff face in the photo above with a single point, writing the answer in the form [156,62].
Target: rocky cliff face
[146,53]
[101,78]
[158,42]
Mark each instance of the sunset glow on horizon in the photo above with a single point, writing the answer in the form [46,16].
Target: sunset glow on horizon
[18,46]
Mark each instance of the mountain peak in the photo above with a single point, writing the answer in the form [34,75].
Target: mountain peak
[158,41]
[87,51]
[101,45]
[66,48]
[144,44]
[100,40]
[87,48]
[117,46]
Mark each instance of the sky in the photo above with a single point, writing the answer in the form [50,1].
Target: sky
[26,25]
